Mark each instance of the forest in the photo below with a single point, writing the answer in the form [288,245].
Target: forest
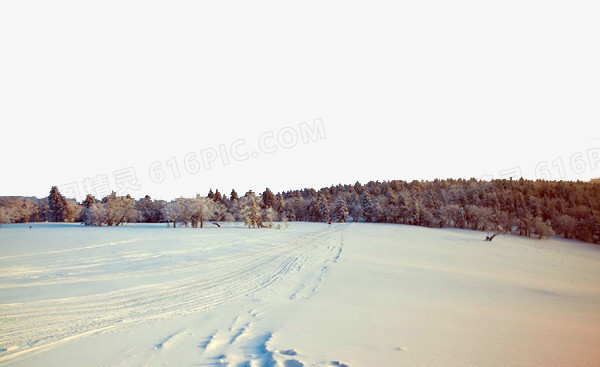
[523,207]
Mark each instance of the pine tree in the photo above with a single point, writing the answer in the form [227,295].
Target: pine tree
[280,206]
[371,208]
[45,210]
[109,204]
[323,205]
[87,217]
[35,213]
[268,199]
[54,205]
[341,211]
[314,211]
[218,197]
[58,207]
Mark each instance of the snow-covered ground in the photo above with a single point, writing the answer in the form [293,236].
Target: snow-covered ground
[309,295]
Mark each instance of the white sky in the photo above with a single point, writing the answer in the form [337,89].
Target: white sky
[404,90]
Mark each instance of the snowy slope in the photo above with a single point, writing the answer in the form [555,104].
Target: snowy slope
[312,294]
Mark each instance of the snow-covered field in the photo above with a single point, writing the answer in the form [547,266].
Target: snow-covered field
[309,295]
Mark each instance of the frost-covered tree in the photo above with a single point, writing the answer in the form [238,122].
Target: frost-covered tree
[268,198]
[119,210]
[355,210]
[96,215]
[5,216]
[280,206]
[455,216]
[218,197]
[543,229]
[319,208]
[111,211]
[60,211]
[184,209]
[220,213]
[372,210]
[86,216]
[169,213]
[44,211]
[341,211]
[424,216]
[194,211]
[270,216]
[149,210]
[206,209]
[126,211]
[251,212]
[324,211]
[567,225]
[35,213]
[403,209]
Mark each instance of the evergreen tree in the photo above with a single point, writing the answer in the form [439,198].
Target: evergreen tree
[35,214]
[372,210]
[87,218]
[323,205]
[403,212]
[341,211]
[268,199]
[314,214]
[218,197]
[59,209]
[280,206]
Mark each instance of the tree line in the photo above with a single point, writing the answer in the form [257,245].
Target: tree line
[524,207]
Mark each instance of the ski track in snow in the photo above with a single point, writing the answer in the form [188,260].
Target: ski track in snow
[39,325]
[246,342]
